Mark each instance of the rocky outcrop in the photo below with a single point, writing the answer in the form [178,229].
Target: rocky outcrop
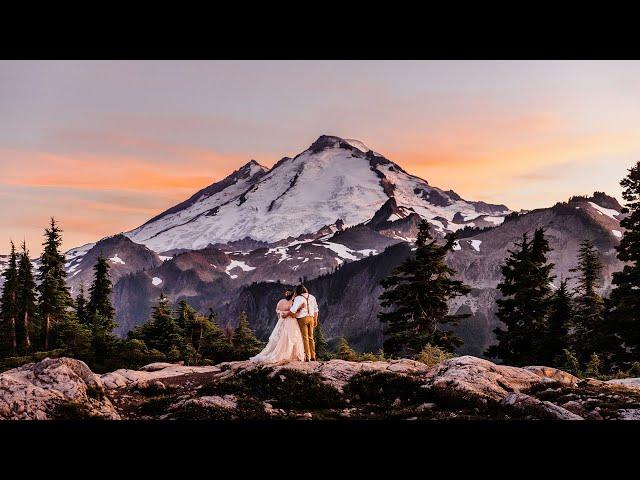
[460,388]
[45,390]
[335,373]
[147,374]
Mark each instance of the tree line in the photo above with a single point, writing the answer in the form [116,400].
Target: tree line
[545,324]
[39,317]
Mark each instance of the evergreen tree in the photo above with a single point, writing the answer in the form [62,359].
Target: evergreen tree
[624,301]
[100,313]
[9,310]
[26,297]
[525,303]
[558,324]
[81,307]
[99,304]
[244,341]
[345,352]
[322,348]
[161,332]
[416,296]
[213,344]
[592,334]
[54,297]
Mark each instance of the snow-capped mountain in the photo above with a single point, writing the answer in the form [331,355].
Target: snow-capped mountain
[333,181]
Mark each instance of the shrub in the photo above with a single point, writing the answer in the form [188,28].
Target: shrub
[70,410]
[433,355]
[571,363]
[634,371]
[193,411]
[284,389]
[383,388]
[156,406]
[593,367]
[345,352]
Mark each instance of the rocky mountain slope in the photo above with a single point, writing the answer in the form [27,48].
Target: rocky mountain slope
[460,388]
[566,224]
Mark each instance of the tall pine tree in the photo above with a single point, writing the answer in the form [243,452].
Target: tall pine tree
[558,325]
[416,298]
[322,348]
[244,341]
[100,312]
[525,302]
[9,311]
[591,332]
[81,307]
[624,301]
[54,298]
[26,298]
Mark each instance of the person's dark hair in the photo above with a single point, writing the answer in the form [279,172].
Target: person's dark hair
[300,289]
[288,294]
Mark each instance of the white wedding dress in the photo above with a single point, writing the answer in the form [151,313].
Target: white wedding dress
[285,343]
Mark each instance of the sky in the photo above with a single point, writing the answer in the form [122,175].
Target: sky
[105,145]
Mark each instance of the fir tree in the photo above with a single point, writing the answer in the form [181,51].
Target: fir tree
[624,301]
[161,332]
[9,310]
[558,324]
[26,297]
[322,348]
[99,304]
[54,297]
[592,335]
[100,313]
[525,302]
[416,296]
[214,344]
[345,352]
[244,341]
[81,307]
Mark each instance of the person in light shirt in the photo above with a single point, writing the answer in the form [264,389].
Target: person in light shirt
[305,309]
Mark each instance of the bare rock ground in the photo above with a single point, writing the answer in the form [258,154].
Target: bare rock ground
[460,388]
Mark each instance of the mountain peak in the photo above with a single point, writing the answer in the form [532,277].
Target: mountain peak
[252,163]
[599,198]
[331,141]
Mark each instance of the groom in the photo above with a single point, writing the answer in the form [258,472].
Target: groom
[305,309]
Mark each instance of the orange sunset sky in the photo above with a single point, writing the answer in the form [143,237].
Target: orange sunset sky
[104,146]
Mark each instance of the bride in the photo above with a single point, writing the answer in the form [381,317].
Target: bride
[285,342]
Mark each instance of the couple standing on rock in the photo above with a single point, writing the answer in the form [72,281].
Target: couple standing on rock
[292,337]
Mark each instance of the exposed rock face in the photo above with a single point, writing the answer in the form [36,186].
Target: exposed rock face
[37,391]
[155,371]
[459,388]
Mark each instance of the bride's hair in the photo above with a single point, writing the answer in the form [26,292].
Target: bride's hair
[288,294]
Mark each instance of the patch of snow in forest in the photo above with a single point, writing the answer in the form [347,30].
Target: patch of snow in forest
[238,264]
[456,245]
[117,259]
[494,220]
[341,250]
[164,258]
[617,233]
[475,244]
[156,281]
